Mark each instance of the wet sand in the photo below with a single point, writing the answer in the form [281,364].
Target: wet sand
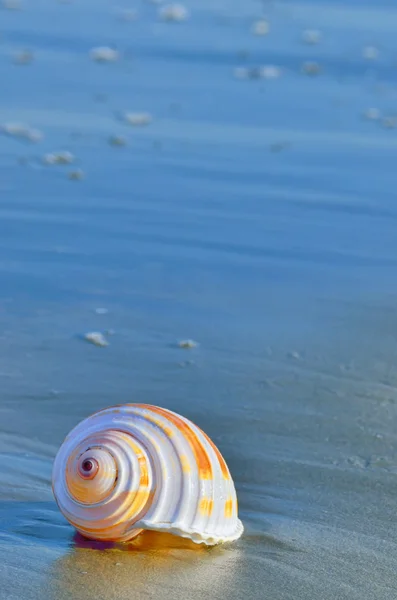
[254,215]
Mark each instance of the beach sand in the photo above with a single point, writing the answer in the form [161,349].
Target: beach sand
[253,212]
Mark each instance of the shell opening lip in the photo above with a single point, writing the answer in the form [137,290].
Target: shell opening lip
[88,468]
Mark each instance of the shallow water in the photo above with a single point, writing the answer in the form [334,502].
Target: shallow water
[255,216]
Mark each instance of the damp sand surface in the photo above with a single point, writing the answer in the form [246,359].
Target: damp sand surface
[250,207]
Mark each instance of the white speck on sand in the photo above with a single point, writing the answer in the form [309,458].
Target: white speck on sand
[269,72]
[173,12]
[104,54]
[260,27]
[138,119]
[101,311]
[96,338]
[18,130]
[64,157]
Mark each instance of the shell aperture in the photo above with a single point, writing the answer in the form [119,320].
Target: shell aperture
[133,467]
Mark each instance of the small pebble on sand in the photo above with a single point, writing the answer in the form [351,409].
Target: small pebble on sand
[260,27]
[64,157]
[18,130]
[117,140]
[294,355]
[77,175]
[96,338]
[138,119]
[101,311]
[104,54]
[187,344]
[311,36]
[173,13]
[311,68]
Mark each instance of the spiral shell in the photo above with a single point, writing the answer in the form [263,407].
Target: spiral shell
[133,467]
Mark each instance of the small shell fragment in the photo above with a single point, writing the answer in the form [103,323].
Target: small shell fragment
[104,54]
[173,12]
[138,119]
[23,132]
[260,27]
[96,338]
[64,157]
[187,344]
[269,72]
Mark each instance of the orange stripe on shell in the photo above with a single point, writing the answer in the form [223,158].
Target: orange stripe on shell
[202,459]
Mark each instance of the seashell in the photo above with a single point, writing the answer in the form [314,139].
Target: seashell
[139,467]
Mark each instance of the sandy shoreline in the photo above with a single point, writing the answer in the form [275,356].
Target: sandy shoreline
[245,202]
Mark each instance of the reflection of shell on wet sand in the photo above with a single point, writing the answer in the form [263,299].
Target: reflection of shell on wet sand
[173,567]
